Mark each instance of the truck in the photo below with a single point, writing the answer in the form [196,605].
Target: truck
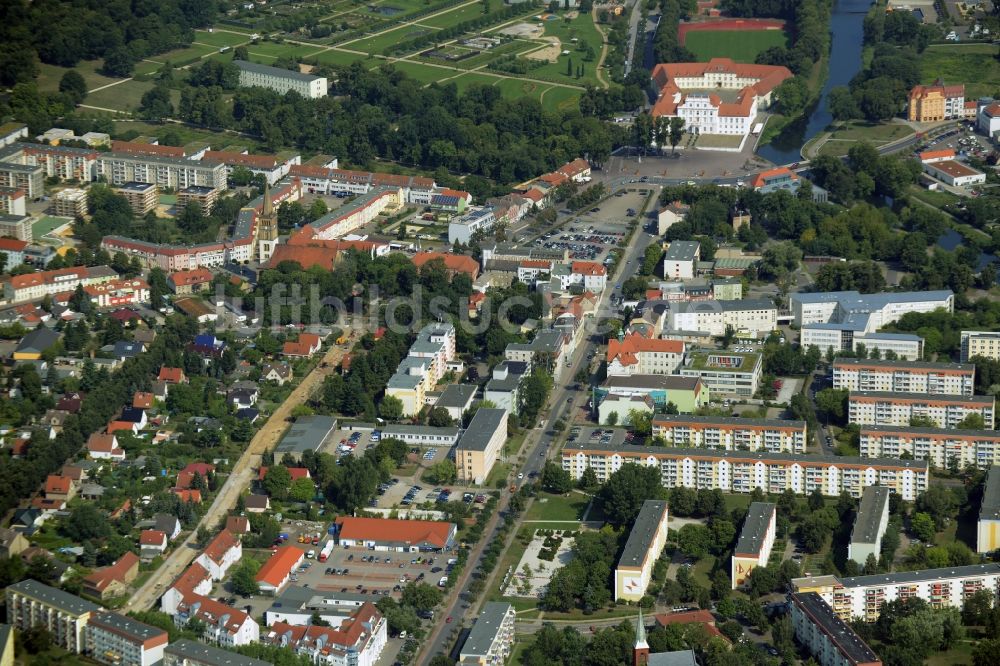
[342,339]
[327,549]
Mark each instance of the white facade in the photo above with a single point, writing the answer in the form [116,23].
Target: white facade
[771,435]
[758,317]
[726,374]
[897,409]
[980,343]
[876,310]
[741,472]
[904,377]
[473,221]
[642,549]
[280,80]
[172,172]
[218,566]
[830,640]
[870,525]
[943,447]
[702,115]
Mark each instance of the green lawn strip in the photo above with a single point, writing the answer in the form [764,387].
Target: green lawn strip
[958,655]
[975,65]
[466,81]
[557,98]
[268,52]
[938,199]
[49,75]
[513,47]
[379,43]
[740,45]
[337,57]
[454,17]
[558,507]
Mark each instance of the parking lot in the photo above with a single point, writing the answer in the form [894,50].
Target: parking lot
[603,436]
[401,493]
[376,573]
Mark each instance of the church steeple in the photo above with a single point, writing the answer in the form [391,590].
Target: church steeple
[267,227]
[640,651]
[268,208]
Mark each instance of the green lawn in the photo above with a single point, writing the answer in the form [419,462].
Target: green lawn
[877,134]
[422,73]
[560,99]
[454,17]
[975,65]
[740,45]
[342,58]
[466,81]
[49,75]
[266,52]
[937,199]
[557,507]
[220,38]
[46,224]
[957,656]
[379,43]
[125,96]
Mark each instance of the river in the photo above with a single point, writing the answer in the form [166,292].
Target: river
[847,38]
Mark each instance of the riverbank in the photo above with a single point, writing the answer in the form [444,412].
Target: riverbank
[777,122]
[838,138]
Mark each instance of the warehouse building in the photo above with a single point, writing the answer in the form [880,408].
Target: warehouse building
[308,433]
[404,536]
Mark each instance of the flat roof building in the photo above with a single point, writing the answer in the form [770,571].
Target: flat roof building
[480,445]
[731,433]
[988,527]
[308,433]
[644,546]
[980,343]
[858,374]
[899,409]
[420,435]
[827,637]
[118,640]
[947,448]
[142,197]
[753,548]
[869,525]
[64,615]
[189,653]
[491,638]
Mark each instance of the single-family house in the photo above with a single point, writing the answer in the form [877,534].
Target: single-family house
[220,554]
[104,446]
[113,580]
[152,543]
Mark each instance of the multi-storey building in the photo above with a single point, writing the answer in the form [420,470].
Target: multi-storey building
[898,409]
[680,259]
[863,596]
[49,283]
[33,604]
[70,202]
[741,472]
[980,343]
[224,625]
[354,215]
[753,548]
[988,527]
[644,546]
[220,554]
[477,220]
[732,434]
[59,162]
[355,641]
[480,445]
[204,197]
[687,393]
[191,653]
[118,640]
[423,367]
[491,639]
[936,102]
[12,201]
[344,182]
[164,172]
[774,180]
[547,349]
[755,316]
[118,292]
[858,374]
[725,373]
[638,354]
[16,226]
[142,197]
[29,178]
[840,320]
[280,80]
[943,447]
[869,525]
[827,637]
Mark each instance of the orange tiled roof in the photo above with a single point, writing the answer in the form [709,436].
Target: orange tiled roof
[588,268]
[280,564]
[627,349]
[760,179]
[56,484]
[192,277]
[217,548]
[152,538]
[457,263]
[101,578]
[405,531]
[175,375]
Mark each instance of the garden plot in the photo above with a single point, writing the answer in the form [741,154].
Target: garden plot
[549,551]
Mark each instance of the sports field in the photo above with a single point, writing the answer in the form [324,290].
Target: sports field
[740,45]
[46,224]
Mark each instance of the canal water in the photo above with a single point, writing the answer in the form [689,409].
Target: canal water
[847,37]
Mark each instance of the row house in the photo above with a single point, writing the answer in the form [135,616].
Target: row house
[741,472]
[357,641]
[224,625]
[732,434]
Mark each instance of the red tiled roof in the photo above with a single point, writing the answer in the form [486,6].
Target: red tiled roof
[47,277]
[12,245]
[920,91]
[152,538]
[190,579]
[349,634]
[535,263]
[101,578]
[574,168]
[457,263]
[142,400]
[191,278]
[252,161]
[281,563]
[103,443]
[387,530]
[588,268]
[217,548]
[237,524]
[174,375]
[305,345]
[56,484]
[193,496]
[200,468]
[626,350]
[146,149]
[947,153]
[211,612]
[760,179]
[295,472]
[115,426]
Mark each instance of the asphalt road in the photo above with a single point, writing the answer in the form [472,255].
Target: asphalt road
[539,447]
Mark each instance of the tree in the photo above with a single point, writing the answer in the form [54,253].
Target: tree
[442,473]
[243,580]
[440,418]
[675,132]
[626,490]
[588,480]
[421,597]
[73,84]
[85,522]
[302,490]
[118,62]
[972,421]
[155,103]
[555,479]
[391,408]
[694,540]
[922,526]
[277,482]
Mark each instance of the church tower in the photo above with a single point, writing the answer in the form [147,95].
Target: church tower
[640,651]
[267,227]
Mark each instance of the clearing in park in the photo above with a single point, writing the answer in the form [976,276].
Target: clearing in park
[740,45]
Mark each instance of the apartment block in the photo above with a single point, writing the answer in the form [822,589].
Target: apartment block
[980,343]
[423,367]
[869,525]
[830,640]
[897,409]
[17,227]
[480,445]
[117,640]
[732,434]
[142,197]
[936,102]
[70,202]
[32,286]
[863,596]
[753,548]
[680,259]
[988,527]
[205,197]
[30,179]
[735,374]
[741,472]
[491,638]
[253,75]
[644,546]
[12,201]
[59,162]
[756,316]
[856,374]
[945,448]
[638,354]
[32,604]
[164,172]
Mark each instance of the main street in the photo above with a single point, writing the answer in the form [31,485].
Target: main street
[539,447]
[238,480]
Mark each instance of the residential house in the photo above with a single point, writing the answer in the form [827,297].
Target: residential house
[220,554]
[307,345]
[277,372]
[257,503]
[152,543]
[113,580]
[172,375]
[12,542]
